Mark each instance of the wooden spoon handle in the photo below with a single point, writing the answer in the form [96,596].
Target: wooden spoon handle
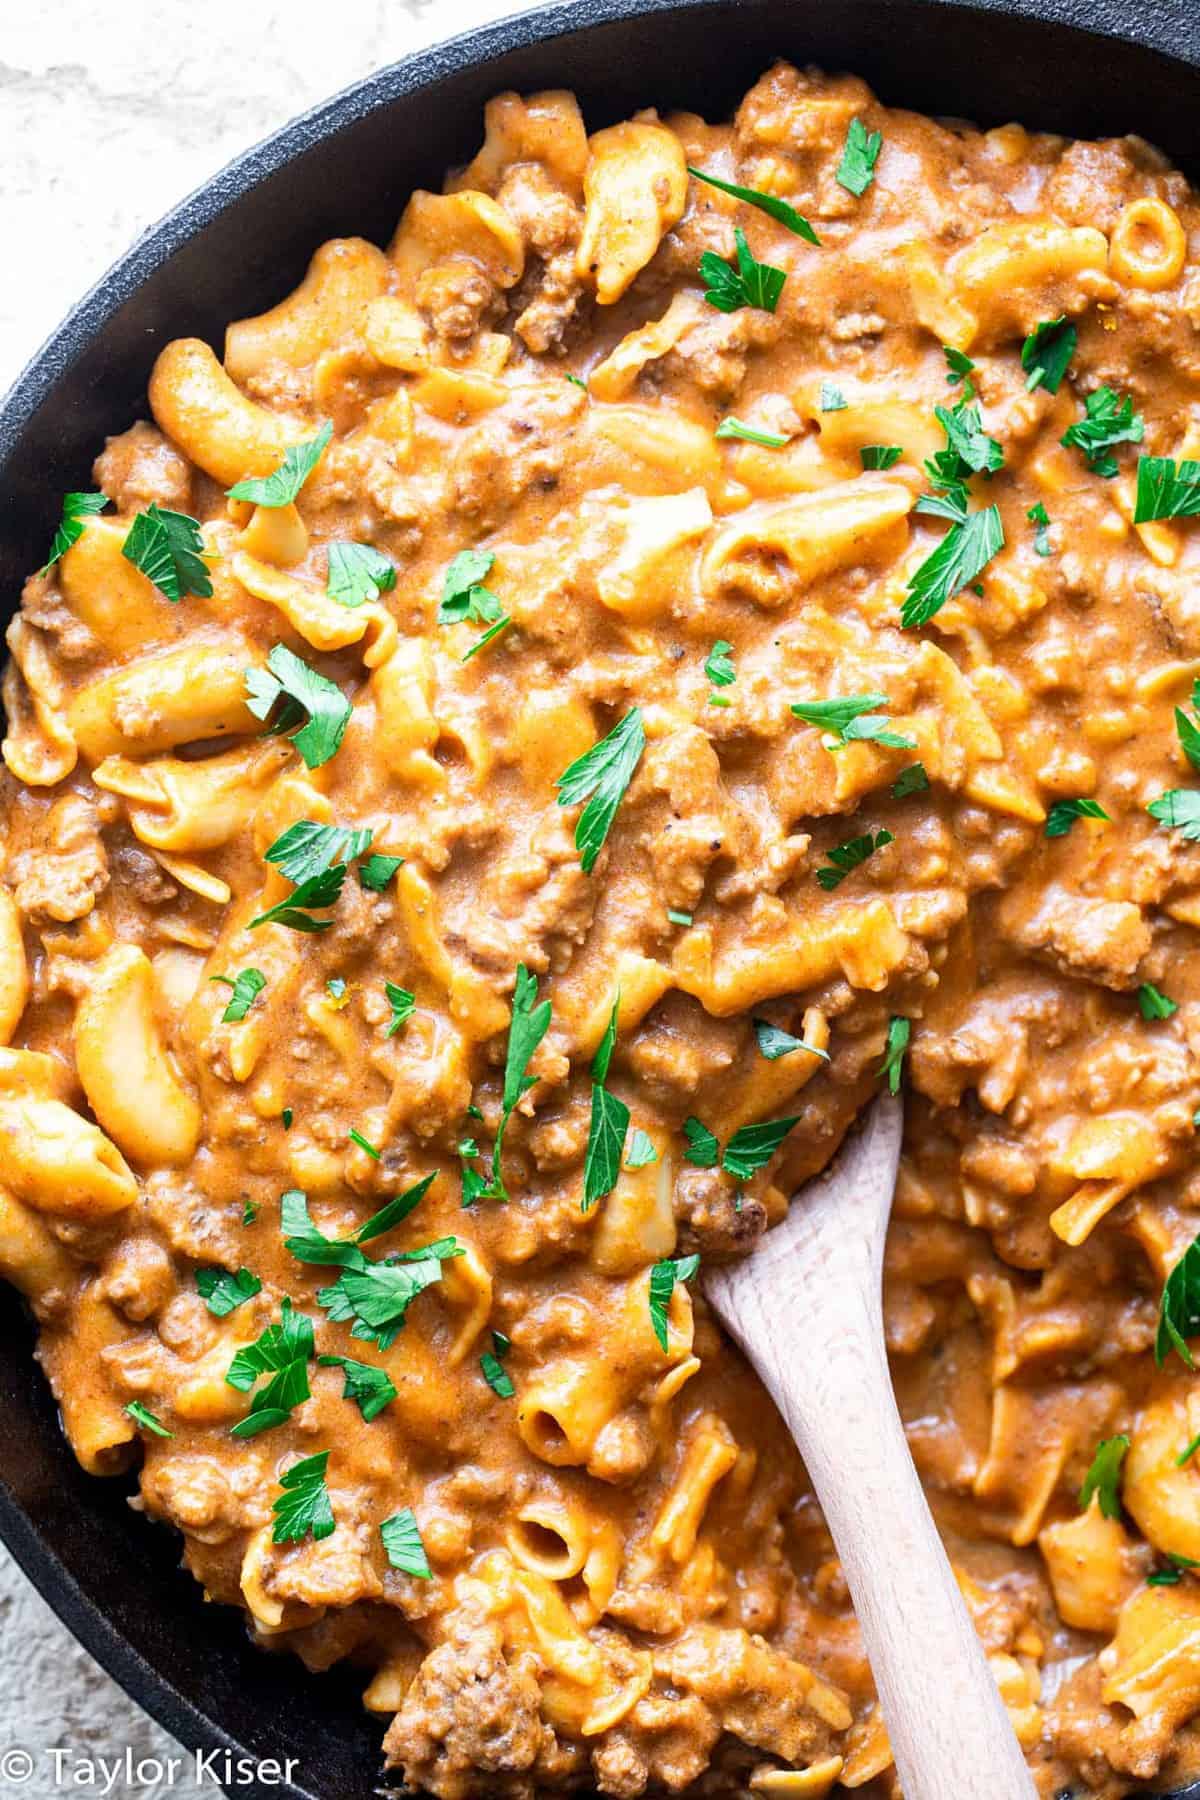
[950,1734]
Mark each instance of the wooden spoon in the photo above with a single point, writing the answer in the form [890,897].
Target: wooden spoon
[807,1310]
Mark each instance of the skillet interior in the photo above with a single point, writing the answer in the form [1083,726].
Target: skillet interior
[234,248]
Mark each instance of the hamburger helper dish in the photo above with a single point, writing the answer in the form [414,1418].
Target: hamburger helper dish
[498,774]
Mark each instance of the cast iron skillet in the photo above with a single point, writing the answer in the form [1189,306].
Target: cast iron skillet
[1086,67]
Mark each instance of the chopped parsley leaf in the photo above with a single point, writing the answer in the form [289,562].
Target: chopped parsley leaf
[1103,1478]
[282,486]
[1179,1309]
[358,573]
[169,551]
[274,1348]
[600,776]
[749,434]
[303,1506]
[962,555]
[1109,420]
[402,1540]
[247,985]
[377,871]
[223,1292]
[854,717]
[1167,489]
[356,1137]
[368,1385]
[1154,1004]
[76,510]
[845,857]
[771,204]
[774,1042]
[749,283]
[913,780]
[493,631]
[321,890]
[286,1117]
[679,918]
[496,1375]
[718,664]
[856,171]
[663,1277]
[249,1212]
[1063,814]
[703,1151]
[1179,810]
[880,456]
[1037,515]
[832,398]
[1187,729]
[1047,351]
[969,450]
[302,690]
[609,1122]
[1171,1576]
[898,1033]
[641,1152]
[306,849]
[1186,1454]
[402,1004]
[141,1415]
[530,1022]
[377,1296]
[752,1146]
[959,367]
[463,593]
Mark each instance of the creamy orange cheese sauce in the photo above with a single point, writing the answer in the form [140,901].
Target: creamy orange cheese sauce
[615,1575]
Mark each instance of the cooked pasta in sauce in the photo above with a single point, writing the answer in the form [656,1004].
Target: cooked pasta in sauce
[673,660]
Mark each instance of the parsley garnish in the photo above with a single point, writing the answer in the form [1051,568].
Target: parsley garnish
[377,871]
[969,450]
[1047,351]
[609,1123]
[282,1352]
[1153,1004]
[376,1296]
[850,718]
[679,918]
[402,1540]
[774,1042]
[718,666]
[771,204]
[749,434]
[663,1277]
[283,484]
[1186,1454]
[832,398]
[249,1211]
[1110,420]
[750,283]
[141,1415]
[641,1152]
[1037,515]
[401,1003]
[76,510]
[1104,1476]
[302,690]
[303,1506]
[1179,1310]
[959,367]
[358,573]
[369,1386]
[1189,733]
[965,551]
[1167,489]
[703,1150]
[526,1032]
[306,849]
[1179,810]
[493,631]
[463,593]
[752,1146]
[369,1149]
[492,1365]
[286,1116]
[898,1033]
[913,780]
[247,985]
[844,857]
[222,1292]
[880,456]
[856,171]
[600,776]
[1063,814]
[321,890]
[307,1244]
[1171,1577]
[169,551]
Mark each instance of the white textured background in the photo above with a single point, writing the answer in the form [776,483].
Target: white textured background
[108,115]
